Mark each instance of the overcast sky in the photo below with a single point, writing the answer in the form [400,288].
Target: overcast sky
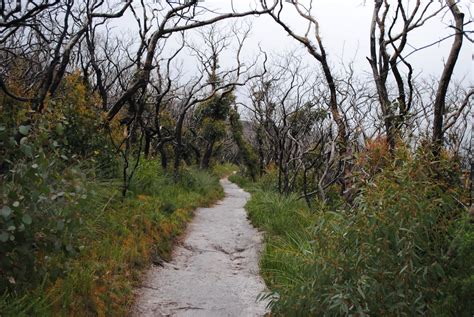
[344,26]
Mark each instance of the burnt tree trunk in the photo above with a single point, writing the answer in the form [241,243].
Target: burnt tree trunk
[440,100]
[206,158]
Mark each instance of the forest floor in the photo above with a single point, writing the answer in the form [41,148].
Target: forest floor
[214,271]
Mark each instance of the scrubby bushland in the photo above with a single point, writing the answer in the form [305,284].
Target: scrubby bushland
[404,248]
[110,244]
[70,244]
[45,162]
[81,105]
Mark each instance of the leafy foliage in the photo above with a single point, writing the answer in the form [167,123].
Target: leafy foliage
[210,117]
[405,248]
[46,162]
[246,153]
[116,239]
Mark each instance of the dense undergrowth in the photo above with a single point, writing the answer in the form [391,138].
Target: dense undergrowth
[405,248]
[70,244]
[114,241]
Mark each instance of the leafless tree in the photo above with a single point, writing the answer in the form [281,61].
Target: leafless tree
[288,113]
[313,42]
[389,38]
[214,42]
[171,18]
[40,41]
[440,101]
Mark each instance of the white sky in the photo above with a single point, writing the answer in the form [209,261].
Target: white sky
[344,26]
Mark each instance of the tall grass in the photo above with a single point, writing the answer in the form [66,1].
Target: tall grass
[114,241]
[224,169]
[406,248]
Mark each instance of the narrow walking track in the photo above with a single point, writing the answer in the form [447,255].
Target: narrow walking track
[215,270]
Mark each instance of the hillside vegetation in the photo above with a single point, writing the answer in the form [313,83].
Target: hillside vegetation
[70,243]
[404,248]
[118,117]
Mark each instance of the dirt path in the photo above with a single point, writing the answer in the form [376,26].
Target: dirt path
[215,269]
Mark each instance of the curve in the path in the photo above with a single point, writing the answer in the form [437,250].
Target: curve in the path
[214,271]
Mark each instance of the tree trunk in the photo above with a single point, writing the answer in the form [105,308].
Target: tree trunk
[261,154]
[440,100]
[146,150]
[206,158]
[380,73]
[177,161]
[163,156]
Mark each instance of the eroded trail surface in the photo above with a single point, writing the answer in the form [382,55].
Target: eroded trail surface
[214,271]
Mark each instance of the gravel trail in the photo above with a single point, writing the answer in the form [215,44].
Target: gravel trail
[214,272]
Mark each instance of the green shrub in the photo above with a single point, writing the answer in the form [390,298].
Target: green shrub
[460,273]
[37,190]
[44,162]
[403,249]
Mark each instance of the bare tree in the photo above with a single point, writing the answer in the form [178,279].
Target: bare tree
[209,117]
[172,18]
[288,112]
[386,57]
[316,49]
[440,101]
[43,37]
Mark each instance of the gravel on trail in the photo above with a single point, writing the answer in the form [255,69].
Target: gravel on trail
[214,271]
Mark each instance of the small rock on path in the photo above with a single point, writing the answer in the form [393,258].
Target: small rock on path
[214,272]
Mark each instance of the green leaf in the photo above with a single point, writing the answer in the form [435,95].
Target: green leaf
[24,129]
[27,150]
[26,219]
[5,211]
[60,225]
[4,236]
[60,129]
[12,142]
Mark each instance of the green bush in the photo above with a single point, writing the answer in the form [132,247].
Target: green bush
[44,162]
[37,192]
[405,248]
